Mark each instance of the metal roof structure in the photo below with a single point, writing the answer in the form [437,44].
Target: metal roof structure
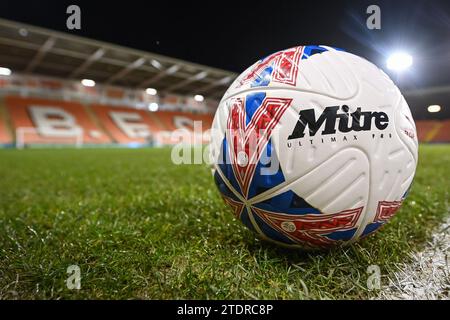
[32,50]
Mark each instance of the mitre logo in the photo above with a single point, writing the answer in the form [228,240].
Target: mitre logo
[355,121]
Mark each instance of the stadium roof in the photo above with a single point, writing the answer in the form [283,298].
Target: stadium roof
[28,49]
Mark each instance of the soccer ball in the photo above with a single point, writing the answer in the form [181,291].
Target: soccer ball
[313,147]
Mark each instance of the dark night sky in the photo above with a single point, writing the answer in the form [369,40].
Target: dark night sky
[233,34]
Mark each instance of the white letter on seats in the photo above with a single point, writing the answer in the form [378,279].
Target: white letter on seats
[128,123]
[54,122]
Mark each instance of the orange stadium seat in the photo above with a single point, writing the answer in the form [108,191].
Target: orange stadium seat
[443,134]
[433,130]
[26,112]
[5,136]
[175,120]
[127,125]
[103,124]
[424,127]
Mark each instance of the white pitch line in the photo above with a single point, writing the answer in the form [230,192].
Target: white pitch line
[428,275]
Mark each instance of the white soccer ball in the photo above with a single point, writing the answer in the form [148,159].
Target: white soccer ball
[313,146]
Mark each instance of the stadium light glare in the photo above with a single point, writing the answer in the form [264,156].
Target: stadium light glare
[23,32]
[399,61]
[151,91]
[434,108]
[199,98]
[88,83]
[153,107]
[5,71]
[156,64]
[173,69]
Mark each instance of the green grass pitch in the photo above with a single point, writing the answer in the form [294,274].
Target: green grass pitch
[140,227]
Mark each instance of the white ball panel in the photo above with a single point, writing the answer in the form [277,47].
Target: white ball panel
[339,171]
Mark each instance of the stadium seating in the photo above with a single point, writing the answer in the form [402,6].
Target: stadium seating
[5,135]
[173,120]
[58,122]
[433,130]
[126,125]
[424,128]
[443,134]
[48,121]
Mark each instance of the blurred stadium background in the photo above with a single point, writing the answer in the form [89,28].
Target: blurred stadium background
[63,90]
[58,89]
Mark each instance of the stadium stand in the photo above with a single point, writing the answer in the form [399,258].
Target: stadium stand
[173,120]
[5,135]
[127,125]
[57,122]
[44,101]
[433,130]
[49,121]
[46,121]
[425,129]
[443,134]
